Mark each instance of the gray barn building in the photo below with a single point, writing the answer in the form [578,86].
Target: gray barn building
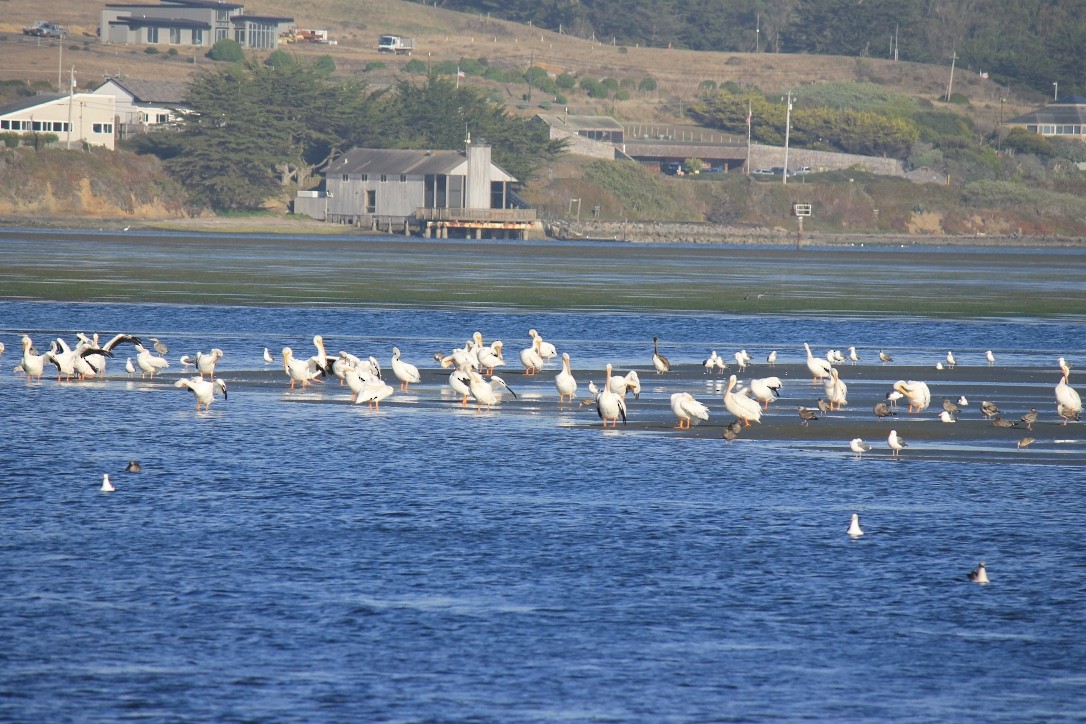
[431,193]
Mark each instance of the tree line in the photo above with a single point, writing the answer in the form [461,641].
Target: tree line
[255,130]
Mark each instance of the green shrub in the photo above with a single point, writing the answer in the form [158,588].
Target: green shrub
[495,74]
[445,67]
[9,139]
[415,66]
[707,87]
[470,66]
[622,95]
[324,64]
[647,84]
[1023,141]
[959,99]
[565,81]
[280,59]
[151,50]
[374,65]
[226,51]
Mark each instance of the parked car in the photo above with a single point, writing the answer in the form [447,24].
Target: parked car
[43,29]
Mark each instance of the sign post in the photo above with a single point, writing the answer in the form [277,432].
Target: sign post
[800,211]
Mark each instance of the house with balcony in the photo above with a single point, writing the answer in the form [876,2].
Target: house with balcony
[144,105]
[198,23]
[1065,117]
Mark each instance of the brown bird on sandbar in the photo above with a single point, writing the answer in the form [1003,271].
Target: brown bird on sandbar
[806,415]
[1029,418]
[1000,422]
[1025,442]
[951,407]
[882,410]
[989,409]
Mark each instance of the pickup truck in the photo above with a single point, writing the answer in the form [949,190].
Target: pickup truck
[43,29]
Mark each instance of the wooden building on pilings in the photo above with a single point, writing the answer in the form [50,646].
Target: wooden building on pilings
[435,194]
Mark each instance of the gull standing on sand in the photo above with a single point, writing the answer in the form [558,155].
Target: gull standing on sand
[951,362]
[819,368]
[852,356]
[129,367]
[989,409]
[990,357]
[710,362]
[564,381]
[659,362]
[896,443]
[771,359]
[268,359]
[947,416]
[884,357]
[686,408]
[806,415]
[858,446]
[854,529]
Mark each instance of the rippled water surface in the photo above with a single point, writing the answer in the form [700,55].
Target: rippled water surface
[290,556]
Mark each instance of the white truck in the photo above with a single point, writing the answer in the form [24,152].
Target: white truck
[43,29]
[395,44]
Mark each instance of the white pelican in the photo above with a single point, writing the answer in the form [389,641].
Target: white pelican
[836,390]
[820,368]
[1067,397]
[990,357]
[486,393]
[148,363]
[858,446]
[203,390]
[205,363]
[854,529]
[659,362]
[405,372]
[2,349]
[356,378]
[979,574]
[530,357]
[460,381]
[853,357]
[62,357]
[490,357]
[564,381]
[546,350]
[951,362]
[609,404]
[740,405]
[129,367]
[766,389]
[918,394]
[884,357]
[268,359]
[686,408]
[107,487]
[373,391]
[896,443]
[772,358]
[298,370]
[33,364]
[160,346]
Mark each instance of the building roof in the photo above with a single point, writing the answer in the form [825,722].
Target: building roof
[216,4]
[152,91]
[575,123]
[153,22]
[1055,114]
[397,161]
[238,19]
[30,101]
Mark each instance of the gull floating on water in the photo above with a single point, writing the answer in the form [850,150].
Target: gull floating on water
[133,466]
[107,487]
[979,574]
[854,529]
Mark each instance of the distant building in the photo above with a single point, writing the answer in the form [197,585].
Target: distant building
[142,105]
[1065,117]
[595,136]
[74,119]
[433,193]
[199,23]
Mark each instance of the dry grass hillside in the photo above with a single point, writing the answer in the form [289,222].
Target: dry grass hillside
[444,35]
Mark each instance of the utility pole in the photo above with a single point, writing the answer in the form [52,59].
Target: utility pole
[950,85]
[71,100]
[60,64]
[787,129]
[758,33]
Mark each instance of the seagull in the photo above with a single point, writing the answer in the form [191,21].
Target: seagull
[824,406]
[107,487]
[1025,442]
[1000,422]
[772,358]
[979,574]
[160,346]
[659,362]
[686,408]
[129,367]
[858,446]
[741,360]
[988,408]
[947,416]
[564,381]
[203,390]
[405,372]
[806,415]
[268,359]
[896,443]
[951,362]
[187,360]
[133,467]
[963,402]
[893,396]
[884,357]
[1067,414]
[853,356]
[854,529]
[1029,418]
[951,407]
[710,362]
[881,410]
[990,357]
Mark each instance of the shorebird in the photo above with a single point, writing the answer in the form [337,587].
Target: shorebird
[1000,422]
[1029,418]
[854,528]
[896,443]
[951,407]
[884,357]
[129,367]
[858,446]
[659,362]
[806,415]
[951,362]
[1025,442]
[710,362]
[686,408]
[107,487]
[979,574]
[893,396]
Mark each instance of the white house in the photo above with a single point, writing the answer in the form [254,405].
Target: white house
[75,119]
[145,103]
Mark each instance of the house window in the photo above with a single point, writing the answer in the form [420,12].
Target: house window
[371,202]
[175,36]
[403,178]
[221,34]
[365,177]
[36,126]
[152,35]
[5,125]
[162,118]
[197,36]
[102,127]
[384,178]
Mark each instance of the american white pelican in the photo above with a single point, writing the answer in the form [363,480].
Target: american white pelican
[1029,418]
[460,382]
[546,350]
[806,415]
[820,368]
[858,446]
[490,357]
[486,393]
[268,359]
[979,574]
[740,405]
[854,529]
[405,372]
[659,362]
[853,357]
[2,348]
[203,390]
[1025,442]
[107,487]
[133,466]
[1066,395]
[129,367]
[990,357]
[564,381]
[630,382]
[148,363]
[62,357]
[947,416]
[951,362]
[297,369]
[836,390]
[896,443]
[989,409]
[884,357]
[373,391]
[160,346]
[686,408]
[918,394]
[33,363]
[771,359]
[766,389]
[530,357]
[205,363]
[321,360]
[882,410]
[609,404]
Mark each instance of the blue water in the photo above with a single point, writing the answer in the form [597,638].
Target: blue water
[287,556]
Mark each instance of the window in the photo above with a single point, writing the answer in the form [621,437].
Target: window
[36,126]
[162,118]
[175,36]
[197,36]
[371,202]
[403,178]
[152,35]
[365,177]
[384,178]
[102,127]
[346,177]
